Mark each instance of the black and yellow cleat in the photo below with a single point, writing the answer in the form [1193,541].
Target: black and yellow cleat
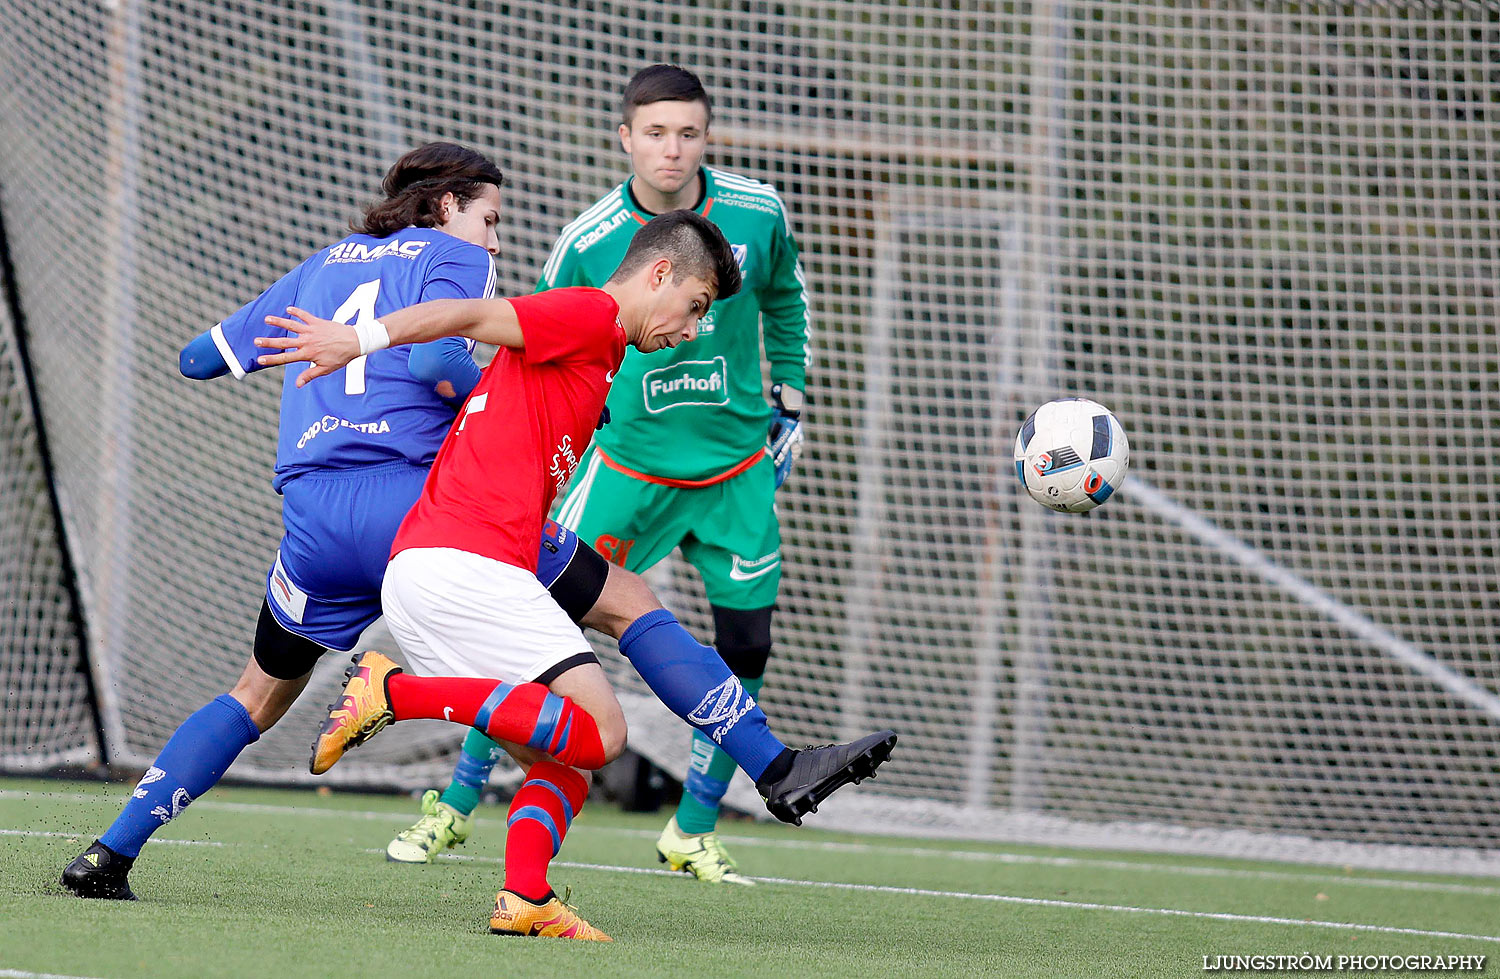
[99,872]
[816,773]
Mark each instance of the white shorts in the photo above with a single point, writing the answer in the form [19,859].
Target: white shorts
[460,614]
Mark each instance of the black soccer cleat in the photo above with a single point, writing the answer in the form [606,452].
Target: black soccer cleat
[816,773]
[99,872]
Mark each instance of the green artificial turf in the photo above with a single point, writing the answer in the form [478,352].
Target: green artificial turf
[292,883]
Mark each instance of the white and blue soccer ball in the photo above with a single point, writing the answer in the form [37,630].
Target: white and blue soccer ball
[1071,454]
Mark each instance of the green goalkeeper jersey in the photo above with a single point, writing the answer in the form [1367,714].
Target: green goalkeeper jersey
[698,411]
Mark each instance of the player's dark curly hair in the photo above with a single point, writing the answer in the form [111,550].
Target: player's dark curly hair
[415,184]
[662,83]
[695,246]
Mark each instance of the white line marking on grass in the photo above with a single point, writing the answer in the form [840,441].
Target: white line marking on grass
[829,846]
[1168,912]
[80,837]
[500,861]
[18,974]
[1085,863]
[1026,901]
[202,804]
[926,892]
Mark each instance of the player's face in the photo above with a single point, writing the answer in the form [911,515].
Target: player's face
[666,141]
[674,309]
[478,223]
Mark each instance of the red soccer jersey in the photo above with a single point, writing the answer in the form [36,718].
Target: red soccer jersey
[522,431]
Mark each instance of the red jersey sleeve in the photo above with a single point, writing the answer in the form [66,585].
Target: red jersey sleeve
[561,324]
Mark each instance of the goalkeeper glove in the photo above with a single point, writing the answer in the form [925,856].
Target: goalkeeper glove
[785,439]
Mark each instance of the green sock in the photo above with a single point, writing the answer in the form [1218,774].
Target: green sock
[709,772]
[475,763]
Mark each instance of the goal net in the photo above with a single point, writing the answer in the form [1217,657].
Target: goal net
[1263,234]
[48,719]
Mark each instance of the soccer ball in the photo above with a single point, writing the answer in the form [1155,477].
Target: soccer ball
[1071,454]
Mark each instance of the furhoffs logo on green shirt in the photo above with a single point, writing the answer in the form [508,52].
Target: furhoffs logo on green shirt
[689,382]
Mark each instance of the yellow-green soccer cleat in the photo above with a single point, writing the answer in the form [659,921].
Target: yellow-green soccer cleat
[514,915]
[359,714]
[699,854]
[440,827]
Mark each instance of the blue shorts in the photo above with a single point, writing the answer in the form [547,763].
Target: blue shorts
[338,529]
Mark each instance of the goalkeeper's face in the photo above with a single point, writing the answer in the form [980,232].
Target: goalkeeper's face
[666,141]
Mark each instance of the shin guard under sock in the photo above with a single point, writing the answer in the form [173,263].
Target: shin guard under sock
[693,682]
[522,713]
[540,815]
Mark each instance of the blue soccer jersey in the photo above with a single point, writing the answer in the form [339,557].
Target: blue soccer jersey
[372,411]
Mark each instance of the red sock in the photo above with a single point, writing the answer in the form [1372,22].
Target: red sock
[540,815]
[523,713]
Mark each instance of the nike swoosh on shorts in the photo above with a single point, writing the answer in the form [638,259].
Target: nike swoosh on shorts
[738,573]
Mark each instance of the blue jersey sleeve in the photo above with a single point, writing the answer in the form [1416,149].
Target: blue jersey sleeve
[466,272]
[449,360]
[201,359]
[234,337]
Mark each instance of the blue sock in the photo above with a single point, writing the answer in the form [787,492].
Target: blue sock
[193,761]
[694,683]
[475,762]
[707,779]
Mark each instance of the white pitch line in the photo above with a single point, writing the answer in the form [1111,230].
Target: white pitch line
[1025,901]
[997,898]
[197,805]
[1170,912]
[18,974]
[84,836]
[829,846]
[1084,863]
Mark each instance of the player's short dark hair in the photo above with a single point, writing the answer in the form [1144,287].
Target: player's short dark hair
[415,184]
[692,242]
[662,83]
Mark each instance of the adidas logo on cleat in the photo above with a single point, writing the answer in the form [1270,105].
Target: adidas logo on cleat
[99,872]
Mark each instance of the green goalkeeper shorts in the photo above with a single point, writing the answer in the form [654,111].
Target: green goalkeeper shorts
[727,530]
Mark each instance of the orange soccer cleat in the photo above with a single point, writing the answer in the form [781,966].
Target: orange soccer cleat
[514,915]
[359,714]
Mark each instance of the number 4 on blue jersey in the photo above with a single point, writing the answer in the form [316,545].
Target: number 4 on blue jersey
[382,407]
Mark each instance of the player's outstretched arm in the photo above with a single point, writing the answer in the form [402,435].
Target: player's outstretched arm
[447,367]
[201,359]
[328,346]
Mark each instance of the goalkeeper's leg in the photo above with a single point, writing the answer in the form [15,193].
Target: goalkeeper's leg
[692,680]
[197,755]
[690,841]
[447,819]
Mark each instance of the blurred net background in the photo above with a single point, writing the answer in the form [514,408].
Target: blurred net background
[1264,234]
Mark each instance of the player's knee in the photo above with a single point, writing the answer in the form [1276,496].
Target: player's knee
[743,639]
[266,698]
[625,598]
[612,735]
[590,704]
